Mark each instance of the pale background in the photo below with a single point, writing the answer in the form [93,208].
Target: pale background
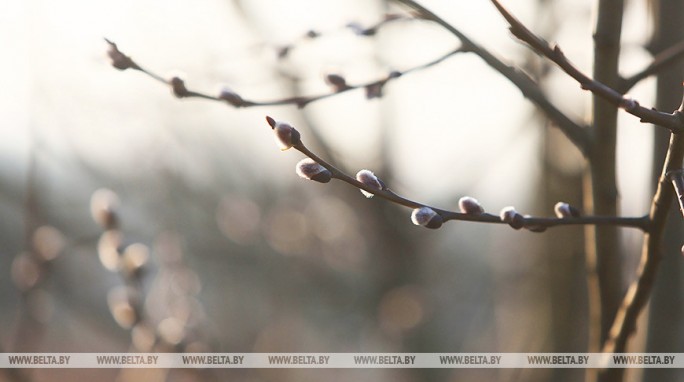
[271,262]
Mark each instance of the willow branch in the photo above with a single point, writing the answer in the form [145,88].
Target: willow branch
[575,132]
[661,61]
[355,27]
[373,88]
[535,224]
[640,290]
[671,121]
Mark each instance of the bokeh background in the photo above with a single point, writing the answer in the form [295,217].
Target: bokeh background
[232,251]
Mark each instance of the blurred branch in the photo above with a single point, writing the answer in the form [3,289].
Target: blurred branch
[338,83]
[290,138]
[355,27]
[661,61]
[640,290]
[672,121]
[530,90]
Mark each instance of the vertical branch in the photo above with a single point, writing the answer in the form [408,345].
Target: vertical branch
[601,196]
[666,313]
[640,290]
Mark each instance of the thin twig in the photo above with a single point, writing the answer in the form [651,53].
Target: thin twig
[575,132]
[373,88]
[662,60]
[358,29]
[527,221]
[672,121]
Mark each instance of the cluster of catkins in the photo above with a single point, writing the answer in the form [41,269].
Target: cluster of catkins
[288,137]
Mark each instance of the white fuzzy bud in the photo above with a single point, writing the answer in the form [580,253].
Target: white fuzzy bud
[369,179]
[470,206]
[512,217]
[286,136]
[426,217]
[308,168]
[564,210]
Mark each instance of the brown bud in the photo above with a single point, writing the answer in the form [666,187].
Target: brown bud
[336,81]
[231,97]
[178,87]
[120,60]
[374,90]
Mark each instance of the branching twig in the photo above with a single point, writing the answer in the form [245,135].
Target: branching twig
[663,59]
[373,89]
[672,121]
[575,132]
[640,290]
[290,138]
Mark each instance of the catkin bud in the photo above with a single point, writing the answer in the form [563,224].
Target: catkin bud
[310,169]
[374,90]
[178,87]
[426,217]
[470,206]
[231,97]
[104,205]
[119,60]
[286,136]
[564,210]
[512,217]
[336,81]
[369,179]
[134,258]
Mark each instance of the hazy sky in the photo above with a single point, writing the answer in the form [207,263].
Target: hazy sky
[457,127]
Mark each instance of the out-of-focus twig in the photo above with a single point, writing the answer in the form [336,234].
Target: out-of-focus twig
[575,132]
[373,88]
[662,60]
[672,121]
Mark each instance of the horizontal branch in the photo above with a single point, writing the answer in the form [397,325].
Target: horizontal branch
[373,88]
[536,224]
[575,132]
[662,60]
[672,121]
